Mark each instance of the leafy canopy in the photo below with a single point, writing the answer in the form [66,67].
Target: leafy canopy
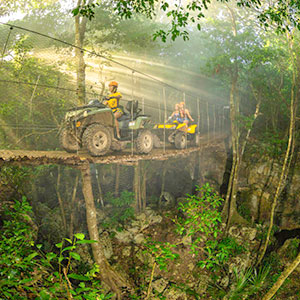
[180,14]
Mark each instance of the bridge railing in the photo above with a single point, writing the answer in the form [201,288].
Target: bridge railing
[38,85]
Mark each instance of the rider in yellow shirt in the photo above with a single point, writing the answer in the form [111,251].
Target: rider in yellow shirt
[112,101]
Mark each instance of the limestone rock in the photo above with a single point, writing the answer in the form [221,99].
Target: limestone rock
[175,294]
[123,236]
[126,251]
[202,284]
[106,244]
[139,238]
[159,285]
[167,199]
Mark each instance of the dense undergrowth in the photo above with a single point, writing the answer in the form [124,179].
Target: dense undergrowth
[27,272]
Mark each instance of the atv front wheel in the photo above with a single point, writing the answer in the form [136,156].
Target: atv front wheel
[96,139]
[144,142]
[68,141]
[180,140]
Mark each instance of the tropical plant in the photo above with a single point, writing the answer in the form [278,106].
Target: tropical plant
[27,272]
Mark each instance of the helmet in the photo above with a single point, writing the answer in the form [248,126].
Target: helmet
[113,83]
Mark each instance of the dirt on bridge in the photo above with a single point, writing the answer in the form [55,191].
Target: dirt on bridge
[33,157]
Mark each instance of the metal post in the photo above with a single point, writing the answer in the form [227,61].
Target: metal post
[165,116]
[132,83]
[143,105]
[207,118]
[198,110]
[215,120]
[159,116]
[184,100]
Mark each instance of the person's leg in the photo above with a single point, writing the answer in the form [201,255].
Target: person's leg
[117,115]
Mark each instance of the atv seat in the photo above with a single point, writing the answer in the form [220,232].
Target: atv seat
[132,108]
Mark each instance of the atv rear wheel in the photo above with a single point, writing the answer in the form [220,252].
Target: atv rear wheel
[97,139]
[68,141]
[180,140]
[144,142]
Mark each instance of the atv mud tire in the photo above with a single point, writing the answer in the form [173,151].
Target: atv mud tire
[180,140]
[68,141]
[144,142]
[97,139]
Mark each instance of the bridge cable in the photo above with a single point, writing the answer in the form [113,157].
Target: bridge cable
[5,45]
[99,55]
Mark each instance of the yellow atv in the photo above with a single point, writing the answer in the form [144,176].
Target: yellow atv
[176,133]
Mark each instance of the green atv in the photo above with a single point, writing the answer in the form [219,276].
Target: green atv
[92,127]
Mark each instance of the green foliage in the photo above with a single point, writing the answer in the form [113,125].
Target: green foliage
[218,252]
[119,209]
[25,269]
[201,215]
[202,223]
[161,252]
[180,16]
[245,284]
[202,218]
[292,249]
[14,181]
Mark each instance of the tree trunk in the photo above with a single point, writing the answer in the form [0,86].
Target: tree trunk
[72,208]
[80,28]
[137,188]
[284,275]
[107,274]
[60,201]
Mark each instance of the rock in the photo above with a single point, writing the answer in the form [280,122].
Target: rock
[166,199]
[187,240]
[155,219]
[144,257]
[248,233]
[139,238]
[126,251]
[133,230]
[240,263]
[202,284]
[174,294]
[159,285]
[123,236]
[106,244]
[141,217]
